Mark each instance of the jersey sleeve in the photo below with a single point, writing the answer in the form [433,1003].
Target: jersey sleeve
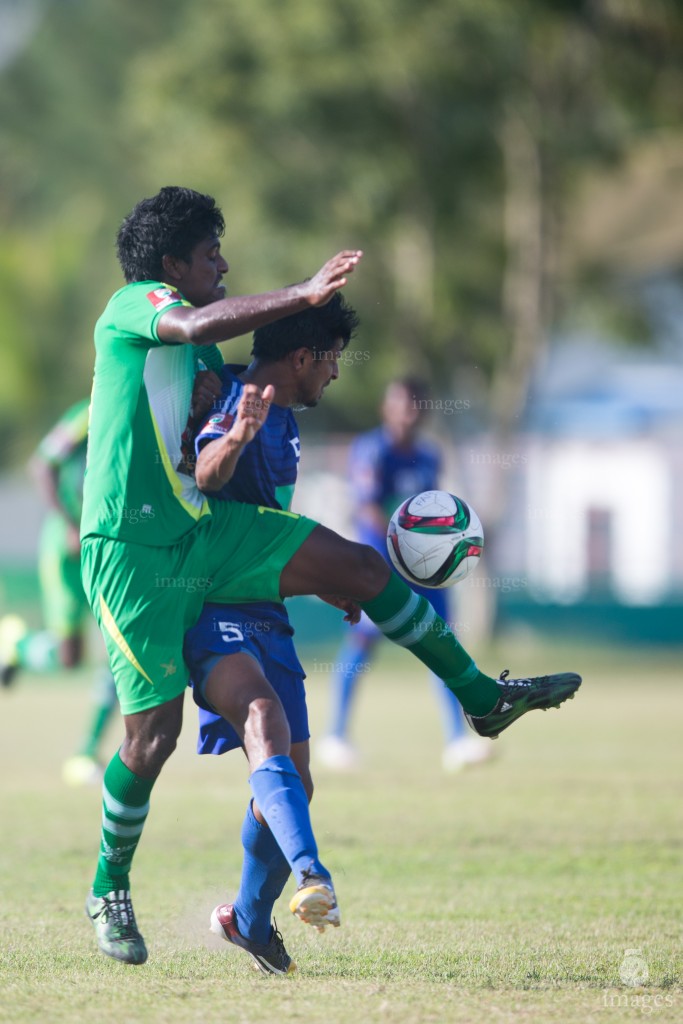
[136,310]
[68,433]
[209,357]
[214,427]
[218,422]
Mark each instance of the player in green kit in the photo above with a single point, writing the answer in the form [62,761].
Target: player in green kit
[58,466]
[154,548]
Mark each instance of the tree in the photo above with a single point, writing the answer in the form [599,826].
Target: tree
[445,137]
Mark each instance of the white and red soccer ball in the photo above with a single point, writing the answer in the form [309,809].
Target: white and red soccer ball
[435,539]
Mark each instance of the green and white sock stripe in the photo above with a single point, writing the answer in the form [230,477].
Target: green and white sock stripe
[409,624]
[121,819]
[122,826]
[125,805]
[388,626]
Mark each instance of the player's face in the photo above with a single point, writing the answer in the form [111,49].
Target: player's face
[201,278]
[400,413]
[322,368]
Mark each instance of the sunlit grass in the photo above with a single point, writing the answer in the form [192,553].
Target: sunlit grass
[510,892]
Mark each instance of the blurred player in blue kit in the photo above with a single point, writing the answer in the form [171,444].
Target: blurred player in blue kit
[59,467]
[253,642]
[386,466]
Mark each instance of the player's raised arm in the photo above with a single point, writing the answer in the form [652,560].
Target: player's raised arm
[208,321]
[217,459]
[320,288]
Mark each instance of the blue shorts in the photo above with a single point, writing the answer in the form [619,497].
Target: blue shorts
[263,631]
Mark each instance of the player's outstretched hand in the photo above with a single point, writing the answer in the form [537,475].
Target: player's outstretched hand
[320,288]
[252,412]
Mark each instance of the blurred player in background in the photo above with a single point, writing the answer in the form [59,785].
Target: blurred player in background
[251,645]
[387,465]
[58,467]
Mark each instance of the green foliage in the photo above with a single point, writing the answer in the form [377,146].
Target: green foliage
[369,123]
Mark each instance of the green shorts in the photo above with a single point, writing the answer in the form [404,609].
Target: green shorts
[146,598]
[65,606]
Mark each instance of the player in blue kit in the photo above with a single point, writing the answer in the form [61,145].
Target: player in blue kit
[298,356]
[387,465]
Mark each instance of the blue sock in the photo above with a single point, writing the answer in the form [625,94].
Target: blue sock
[452,717]
[264,875]
[351,659]
[281,797]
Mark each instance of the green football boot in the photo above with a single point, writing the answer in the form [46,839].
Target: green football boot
[114,923]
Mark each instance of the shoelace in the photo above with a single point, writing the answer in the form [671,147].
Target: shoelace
[120,910]
[276,937]
[523,681]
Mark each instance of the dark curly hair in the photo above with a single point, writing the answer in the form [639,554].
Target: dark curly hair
[317,328]
[171,223]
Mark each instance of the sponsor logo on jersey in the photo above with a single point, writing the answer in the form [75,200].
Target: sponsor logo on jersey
[164,296]
[219,424]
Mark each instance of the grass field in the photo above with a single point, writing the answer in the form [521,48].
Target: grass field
[509,893]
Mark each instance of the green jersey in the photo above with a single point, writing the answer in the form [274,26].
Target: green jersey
[134,490]
[64,449]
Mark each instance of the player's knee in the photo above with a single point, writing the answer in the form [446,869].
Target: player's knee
[161,744]
[146,755]
[151,738]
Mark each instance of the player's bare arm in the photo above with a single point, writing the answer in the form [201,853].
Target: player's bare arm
[46,475]
[217,460]
[213,321]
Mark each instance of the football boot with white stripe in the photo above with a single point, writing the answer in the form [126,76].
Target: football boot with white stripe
[269,957]
[517,696]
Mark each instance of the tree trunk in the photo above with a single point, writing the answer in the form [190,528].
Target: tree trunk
[526,218]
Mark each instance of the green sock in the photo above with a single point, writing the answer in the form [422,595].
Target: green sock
[38,651]
[410,621]
[103,707]
[125,807]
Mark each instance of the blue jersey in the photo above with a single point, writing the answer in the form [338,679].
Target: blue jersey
[265,474]
[266,471]
[267,468]
[383,474]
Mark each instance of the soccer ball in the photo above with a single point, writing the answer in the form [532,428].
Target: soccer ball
[435,539]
